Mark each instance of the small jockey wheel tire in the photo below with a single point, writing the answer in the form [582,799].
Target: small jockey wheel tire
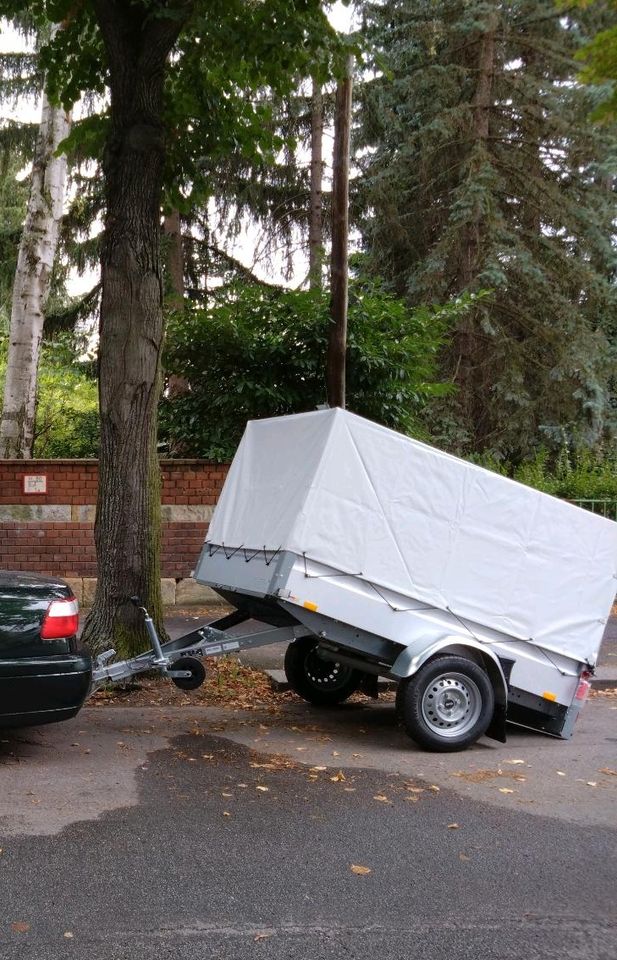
[197,669]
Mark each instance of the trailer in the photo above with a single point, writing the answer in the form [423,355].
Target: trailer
[372,554]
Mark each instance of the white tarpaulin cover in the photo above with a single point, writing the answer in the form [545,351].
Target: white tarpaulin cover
[363,499]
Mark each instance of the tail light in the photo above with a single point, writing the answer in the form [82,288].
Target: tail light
[61,620]
[584,685]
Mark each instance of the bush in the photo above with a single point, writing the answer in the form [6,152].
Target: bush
[570,475]
[67,419]
[260,353]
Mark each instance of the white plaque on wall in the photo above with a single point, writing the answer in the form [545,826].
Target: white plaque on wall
[36,484]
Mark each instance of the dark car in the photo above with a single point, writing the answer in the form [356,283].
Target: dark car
[45,674]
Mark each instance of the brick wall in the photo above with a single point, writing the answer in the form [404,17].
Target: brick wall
[53,532]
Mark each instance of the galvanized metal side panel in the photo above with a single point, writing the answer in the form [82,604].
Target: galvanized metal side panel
[261,574]
[367,620]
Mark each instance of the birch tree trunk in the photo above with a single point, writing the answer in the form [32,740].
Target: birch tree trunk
[35,262]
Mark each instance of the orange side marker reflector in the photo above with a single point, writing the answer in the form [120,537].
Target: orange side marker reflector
[309,605]
[549,696]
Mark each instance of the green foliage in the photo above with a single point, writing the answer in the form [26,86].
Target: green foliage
[67,420]
[230,59]
[599,57]
[568,474]
[506,187]
[260,353]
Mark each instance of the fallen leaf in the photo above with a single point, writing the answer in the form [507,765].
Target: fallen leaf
[591,783]
[356,755]
[207,756]
[381,797]
[226,813]
[261,936]
[263,789]
[607,770]
[505,790]
[463,856]
[68,935]
[347,790]
[560,773]
[453,826]
[521,779]
[338,777]
[227,794]
[315,769]
[335,753]
[359,869]
[434,788]
[415,789]
[20,927]
[514,761]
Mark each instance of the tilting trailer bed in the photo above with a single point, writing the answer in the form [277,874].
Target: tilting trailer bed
[372,555]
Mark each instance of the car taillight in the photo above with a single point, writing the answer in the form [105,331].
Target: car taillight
[61,620]
[584,685]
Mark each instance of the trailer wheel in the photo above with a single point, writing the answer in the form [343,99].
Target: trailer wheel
[322,682]
[198,673]
[447,705]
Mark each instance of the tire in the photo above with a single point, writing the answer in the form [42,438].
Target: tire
[447,705]
[198,673]
[321,682]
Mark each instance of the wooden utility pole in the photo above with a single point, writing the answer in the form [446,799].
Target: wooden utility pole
[315,213]
[172,229]
[337,339]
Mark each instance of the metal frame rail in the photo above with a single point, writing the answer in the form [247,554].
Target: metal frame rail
[209,640]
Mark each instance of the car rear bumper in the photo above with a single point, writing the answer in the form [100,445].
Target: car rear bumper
[34,691]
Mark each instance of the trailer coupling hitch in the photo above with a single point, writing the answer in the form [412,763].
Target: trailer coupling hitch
[188,673]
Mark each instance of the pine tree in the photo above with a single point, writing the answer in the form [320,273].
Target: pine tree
[483,171]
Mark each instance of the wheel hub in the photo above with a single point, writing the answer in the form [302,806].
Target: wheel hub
[451,704]
[324,673]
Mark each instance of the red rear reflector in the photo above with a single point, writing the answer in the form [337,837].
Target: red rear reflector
[61,620]
[582,690]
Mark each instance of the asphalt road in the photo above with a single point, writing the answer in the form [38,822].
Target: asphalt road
[141,833]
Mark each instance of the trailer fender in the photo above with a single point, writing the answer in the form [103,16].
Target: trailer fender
[417,654]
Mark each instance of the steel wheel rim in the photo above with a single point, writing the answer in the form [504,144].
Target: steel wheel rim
[451,705]
[325,674]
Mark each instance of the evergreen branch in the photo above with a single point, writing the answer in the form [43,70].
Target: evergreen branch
[236,265]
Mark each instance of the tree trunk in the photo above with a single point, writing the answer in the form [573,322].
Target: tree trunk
[468,344]
[37,252]
[315,213]
[175,256]
[128,516]
[337,339]
[172,227]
